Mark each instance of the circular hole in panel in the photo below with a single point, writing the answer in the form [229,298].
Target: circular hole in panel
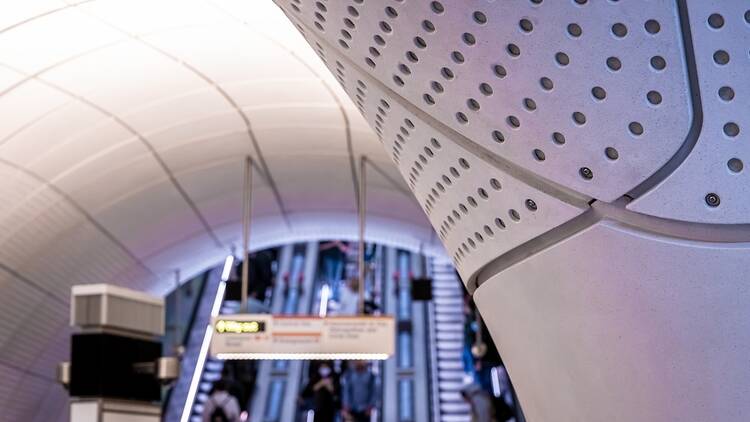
[531,205]
[731,129]
[611,153]
[472,104]
[539,155]
[498,136]
[526,25]
[463,163]
[735,165]
[469,38]
[726,93]
[435,143]
[437,7]
[652,26]
[500,71]
[658,63]
[500,223]
[471,201]
[635,128]
[574,30]
[480,17]
[716,21]
[619,30]
[599,93]
[579,118]
[454,172]
[513,122]
[562,59]
[613,63]
[513,50]
[461,117]
[428,26]
[482,193]
[485,89]
[514,215]
[488,231]
[447,73]
[558,138]
[654,97]
[495,184]
[721,57]
[546,83]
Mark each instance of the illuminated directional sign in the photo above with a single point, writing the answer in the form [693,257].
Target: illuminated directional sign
[264,336]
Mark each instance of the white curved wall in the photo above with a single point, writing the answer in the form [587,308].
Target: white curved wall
[123,131]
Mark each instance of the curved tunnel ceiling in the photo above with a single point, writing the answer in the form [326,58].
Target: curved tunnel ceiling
[122,141]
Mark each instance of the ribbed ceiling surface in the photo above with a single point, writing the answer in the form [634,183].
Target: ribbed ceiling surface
[122,140]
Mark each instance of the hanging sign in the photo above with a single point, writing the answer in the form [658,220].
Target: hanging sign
[265,336]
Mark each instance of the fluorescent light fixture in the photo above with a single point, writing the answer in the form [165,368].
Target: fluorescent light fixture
[227,271]
[325,292]
[197,374]
[302,356]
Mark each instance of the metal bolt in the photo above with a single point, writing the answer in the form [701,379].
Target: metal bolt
[586,173]
[531,205]
[713,200]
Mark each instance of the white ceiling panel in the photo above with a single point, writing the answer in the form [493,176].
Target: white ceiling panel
[52,39]
[151,218]
[26,103]
[26,10]
[112,176]
[125,76]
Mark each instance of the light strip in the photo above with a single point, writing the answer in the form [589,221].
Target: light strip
[227,271]
[197,374]
[302,356]
[216,308]
[204,351]
[324,294]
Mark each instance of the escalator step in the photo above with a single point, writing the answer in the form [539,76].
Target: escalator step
[449,364]
[455,407]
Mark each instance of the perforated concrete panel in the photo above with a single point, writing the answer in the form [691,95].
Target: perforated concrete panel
[583,163]
[712,184]
[480,209]
[592,95]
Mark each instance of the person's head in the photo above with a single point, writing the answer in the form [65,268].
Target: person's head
[324,370]
[220,385]
[360,365]
[353,284]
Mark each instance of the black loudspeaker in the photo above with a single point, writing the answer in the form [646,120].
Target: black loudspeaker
[233,290]
[113,366]
[421,289]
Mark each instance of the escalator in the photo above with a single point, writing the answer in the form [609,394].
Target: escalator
[277,385]
[447,327]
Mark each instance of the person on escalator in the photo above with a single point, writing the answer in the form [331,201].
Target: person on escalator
[333,257]
[221,406]
[323,391]
[358,392]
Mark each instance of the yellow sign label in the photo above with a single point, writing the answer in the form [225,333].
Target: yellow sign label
[238,327]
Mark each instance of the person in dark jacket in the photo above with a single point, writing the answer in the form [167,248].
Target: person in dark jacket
[323,391]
